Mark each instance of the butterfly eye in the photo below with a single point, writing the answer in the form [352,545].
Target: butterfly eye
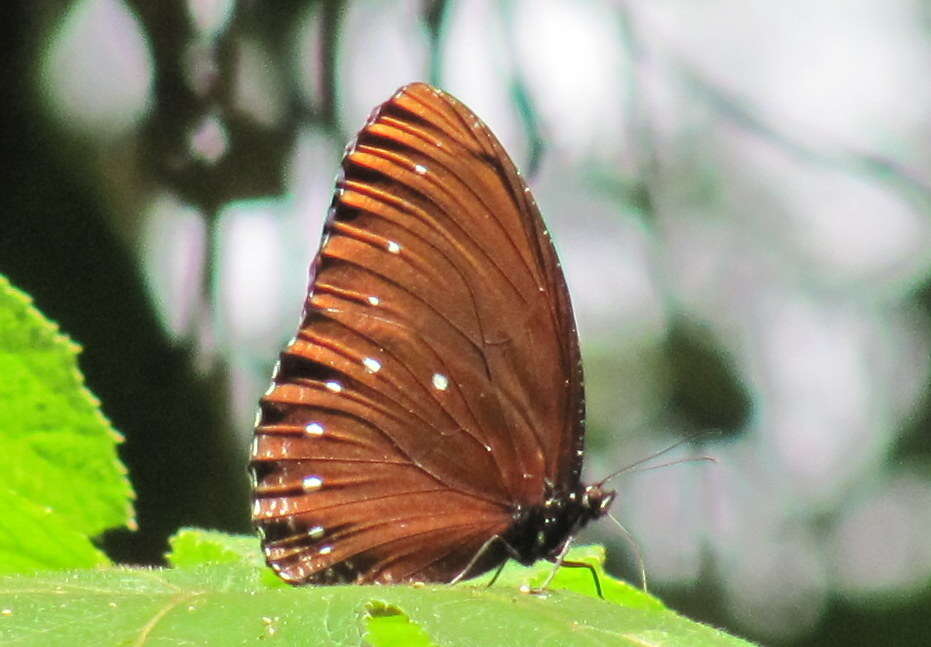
[425,423]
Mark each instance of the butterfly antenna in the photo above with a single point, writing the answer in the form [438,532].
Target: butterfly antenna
[678,461]
[636,548]
[636,465]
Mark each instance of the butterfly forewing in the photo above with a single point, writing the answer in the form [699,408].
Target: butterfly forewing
[434,386]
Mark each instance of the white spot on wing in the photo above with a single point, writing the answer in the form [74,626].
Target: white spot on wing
[326,550]
[374,301]
[335,387]
[393,247]
[311,483]
[314,429]
[316,532]
[440,382]
[371,364]
[420,169]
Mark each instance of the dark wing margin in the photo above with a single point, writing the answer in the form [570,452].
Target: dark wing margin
[435,384]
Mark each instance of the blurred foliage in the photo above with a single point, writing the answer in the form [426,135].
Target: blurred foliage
[707,391]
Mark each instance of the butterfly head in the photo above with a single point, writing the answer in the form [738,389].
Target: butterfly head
[595,501]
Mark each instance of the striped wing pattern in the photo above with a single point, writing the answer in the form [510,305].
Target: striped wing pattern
[434,385]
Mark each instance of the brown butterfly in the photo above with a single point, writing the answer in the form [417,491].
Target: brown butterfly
[427,421]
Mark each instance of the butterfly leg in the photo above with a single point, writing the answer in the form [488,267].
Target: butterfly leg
[475,558]
[560,561]
[514,555]
[494,578]
[478,555]
[591,569]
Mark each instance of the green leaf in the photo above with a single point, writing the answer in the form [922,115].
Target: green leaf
[196,547]
[228,603]
[388,626]
[579,580]
[34,538]
[62,480]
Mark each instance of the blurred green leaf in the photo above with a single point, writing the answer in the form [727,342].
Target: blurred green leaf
[62,480]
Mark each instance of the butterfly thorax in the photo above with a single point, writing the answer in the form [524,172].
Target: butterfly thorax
[541,531]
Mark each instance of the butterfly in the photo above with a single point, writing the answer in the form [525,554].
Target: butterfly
[426,423]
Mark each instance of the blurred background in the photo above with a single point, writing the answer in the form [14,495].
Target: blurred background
[740,193]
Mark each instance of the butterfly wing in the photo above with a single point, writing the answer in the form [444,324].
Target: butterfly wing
[435,382]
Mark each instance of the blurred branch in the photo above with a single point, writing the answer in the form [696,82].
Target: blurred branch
[643,194]
[874,165]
